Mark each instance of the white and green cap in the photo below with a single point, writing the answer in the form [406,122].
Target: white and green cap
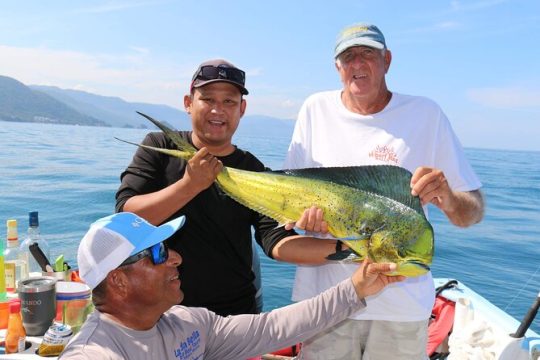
[359,34]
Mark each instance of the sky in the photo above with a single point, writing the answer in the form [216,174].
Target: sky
[478,59]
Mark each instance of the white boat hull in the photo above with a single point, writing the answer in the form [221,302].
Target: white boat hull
[482,330]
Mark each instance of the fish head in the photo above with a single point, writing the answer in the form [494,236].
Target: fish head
[413,256]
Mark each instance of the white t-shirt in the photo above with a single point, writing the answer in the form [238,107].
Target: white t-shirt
[409,132]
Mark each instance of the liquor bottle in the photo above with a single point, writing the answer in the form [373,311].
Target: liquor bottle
[15,334]
[16,267]
[33,236]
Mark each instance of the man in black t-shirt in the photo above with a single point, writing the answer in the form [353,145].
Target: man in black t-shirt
[216,241]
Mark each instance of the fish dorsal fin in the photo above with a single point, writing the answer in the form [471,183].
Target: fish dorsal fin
[180,142]
[386,180]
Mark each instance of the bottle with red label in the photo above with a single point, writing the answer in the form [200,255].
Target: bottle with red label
[15,334]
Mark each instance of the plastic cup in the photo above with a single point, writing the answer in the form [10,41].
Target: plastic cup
[73,303]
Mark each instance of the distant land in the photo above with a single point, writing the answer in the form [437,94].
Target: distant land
[49,104]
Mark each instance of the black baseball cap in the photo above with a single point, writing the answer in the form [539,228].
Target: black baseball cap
[219,70]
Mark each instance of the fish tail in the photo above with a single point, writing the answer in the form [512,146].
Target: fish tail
[171,152]
[180,142]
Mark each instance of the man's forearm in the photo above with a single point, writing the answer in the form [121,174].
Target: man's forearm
[469,208]
[158,206]
[304,250]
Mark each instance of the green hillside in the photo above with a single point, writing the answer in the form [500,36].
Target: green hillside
[49,104]
[20,103]
[115,111]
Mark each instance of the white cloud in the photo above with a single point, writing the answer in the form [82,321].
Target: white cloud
[507,97]
[140,50]
[132,77]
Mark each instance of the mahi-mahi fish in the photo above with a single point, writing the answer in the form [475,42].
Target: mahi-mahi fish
[369,208]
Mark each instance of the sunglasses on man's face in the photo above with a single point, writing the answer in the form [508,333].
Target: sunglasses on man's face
[158,253]
[210,72]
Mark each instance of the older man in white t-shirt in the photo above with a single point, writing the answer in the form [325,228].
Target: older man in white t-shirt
[366,124]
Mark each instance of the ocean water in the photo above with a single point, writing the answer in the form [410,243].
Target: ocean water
[70,175]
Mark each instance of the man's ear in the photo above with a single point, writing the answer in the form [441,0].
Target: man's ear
[387,60]
[118,282]
[187,103]
[243,106]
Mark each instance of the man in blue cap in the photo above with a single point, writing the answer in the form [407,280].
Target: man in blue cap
[366,124]
[136,285]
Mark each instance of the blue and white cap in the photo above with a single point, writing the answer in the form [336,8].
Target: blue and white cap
[360,34]
[114,238]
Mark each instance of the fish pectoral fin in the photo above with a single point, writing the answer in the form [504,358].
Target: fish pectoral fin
[343,256]
[412,268]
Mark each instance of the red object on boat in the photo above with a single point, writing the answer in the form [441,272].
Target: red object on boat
[75,276]
[288,351]
[441,324]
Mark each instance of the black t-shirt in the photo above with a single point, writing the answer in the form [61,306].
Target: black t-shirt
[215,242]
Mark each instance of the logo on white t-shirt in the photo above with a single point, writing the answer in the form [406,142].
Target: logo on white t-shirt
[385,154]
[190,347]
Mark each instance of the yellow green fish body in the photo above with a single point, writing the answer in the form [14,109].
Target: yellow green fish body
[369,208]
[369,223]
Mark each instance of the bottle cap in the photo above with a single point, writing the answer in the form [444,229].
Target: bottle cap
[14,305]
[33,219]
[12,234]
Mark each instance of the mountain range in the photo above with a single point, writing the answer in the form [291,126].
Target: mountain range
[38,103]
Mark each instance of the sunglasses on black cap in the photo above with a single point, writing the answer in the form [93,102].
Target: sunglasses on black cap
[210,72]
[158,253]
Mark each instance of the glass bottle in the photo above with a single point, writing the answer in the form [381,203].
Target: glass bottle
[15,334]
[33,236]
[16,267]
